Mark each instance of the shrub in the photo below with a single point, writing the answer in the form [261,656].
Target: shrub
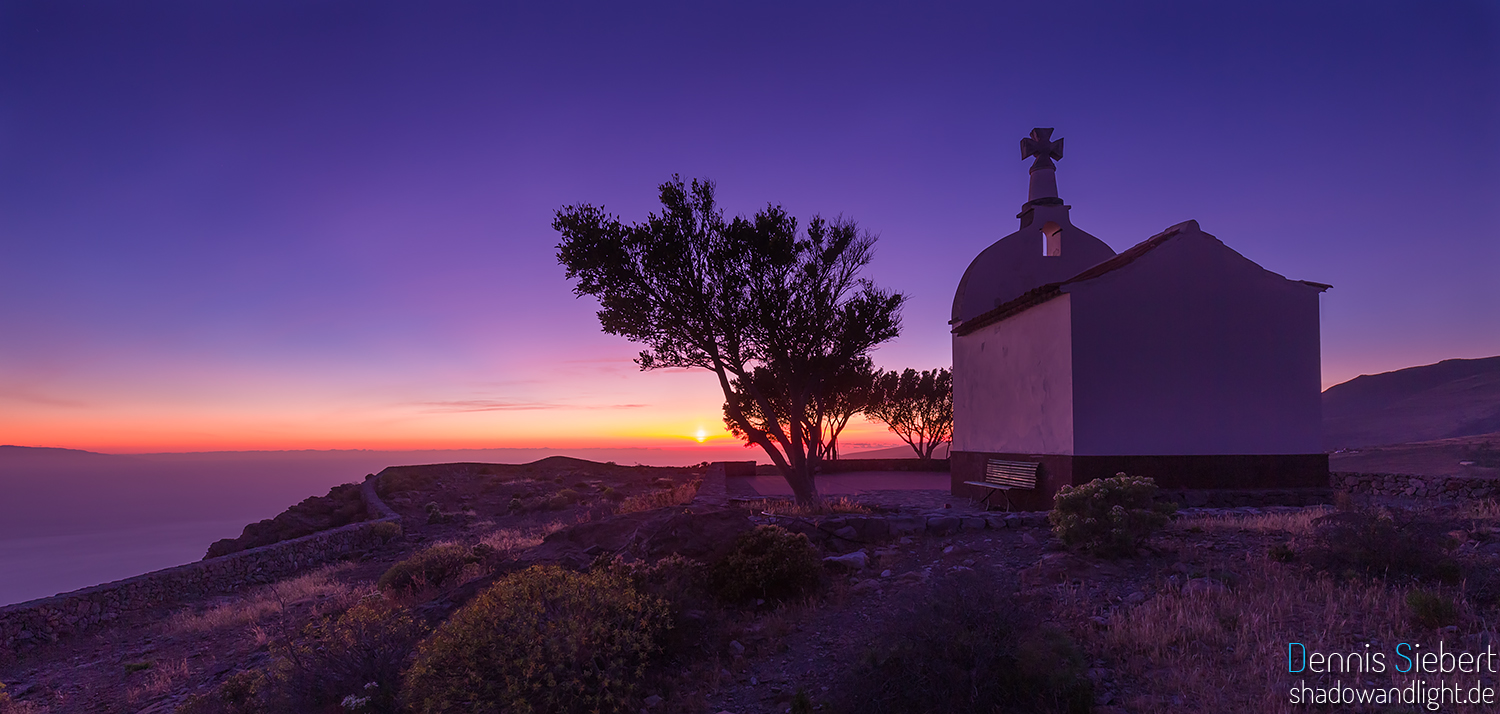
[434,513]
[562,499]
[769,562]
[542,641]
[432,566]
[683,583]
[1108,516]
[1282,553]
[1381,544]
[1430,609]
[961,646]
[359,654]
[243,692]
[386,530]
[11,706]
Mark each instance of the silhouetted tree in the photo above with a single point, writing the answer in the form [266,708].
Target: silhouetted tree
[738,297]
[918,406]
[843,392]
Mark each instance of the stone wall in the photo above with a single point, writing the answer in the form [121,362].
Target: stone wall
[47,619]
[849,532]
[1409,485]
[1247,497]
[847,465]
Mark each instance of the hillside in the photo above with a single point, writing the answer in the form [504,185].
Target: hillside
[1450,399]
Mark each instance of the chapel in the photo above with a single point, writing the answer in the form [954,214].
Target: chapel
[1177,359]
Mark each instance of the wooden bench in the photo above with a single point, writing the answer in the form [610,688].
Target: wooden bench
[1001,475]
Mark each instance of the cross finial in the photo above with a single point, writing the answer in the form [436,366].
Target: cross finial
[1040,145]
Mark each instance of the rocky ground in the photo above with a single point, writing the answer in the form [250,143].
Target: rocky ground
[1198,620]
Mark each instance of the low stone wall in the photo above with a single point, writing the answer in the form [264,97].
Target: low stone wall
[847,465]
[1249,497]
[1413,486]
[48,619]
[852,532]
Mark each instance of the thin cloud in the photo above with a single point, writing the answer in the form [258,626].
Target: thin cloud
[497,405]
[42,399]
[484,405]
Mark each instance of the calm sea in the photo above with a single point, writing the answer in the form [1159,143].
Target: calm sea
[71,519]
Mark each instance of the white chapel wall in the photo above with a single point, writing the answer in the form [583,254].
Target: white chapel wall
[1194,349]
[1013,386]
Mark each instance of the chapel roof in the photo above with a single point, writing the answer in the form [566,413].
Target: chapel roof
[1043,293]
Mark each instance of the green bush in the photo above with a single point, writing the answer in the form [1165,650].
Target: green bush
[1108,516]
[562,499]
[244,692]
[963,646]
[542,641]
[1430,609]
[359,654]
[768,562]
[386,530]
[432,566]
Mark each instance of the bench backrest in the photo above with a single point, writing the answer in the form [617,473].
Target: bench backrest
[1011,474]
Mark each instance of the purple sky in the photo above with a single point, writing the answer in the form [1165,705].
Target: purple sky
[233,225]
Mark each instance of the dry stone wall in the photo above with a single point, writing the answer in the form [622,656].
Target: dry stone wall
[1411,486]
[48,619]
[838,532]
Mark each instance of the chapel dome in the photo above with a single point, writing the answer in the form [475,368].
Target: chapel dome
[1047,249]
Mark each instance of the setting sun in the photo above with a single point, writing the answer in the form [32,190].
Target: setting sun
[702,435]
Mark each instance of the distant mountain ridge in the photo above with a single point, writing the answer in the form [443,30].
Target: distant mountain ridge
[1452,398]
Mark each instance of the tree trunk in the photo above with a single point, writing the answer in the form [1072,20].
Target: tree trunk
[801,481]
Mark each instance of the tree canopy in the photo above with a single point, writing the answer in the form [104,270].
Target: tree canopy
[777,312]
[918,406]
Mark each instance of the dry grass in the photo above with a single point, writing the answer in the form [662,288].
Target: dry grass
[828,506]
[11,706]
[1219,651]
[676,496]
[510,541]
[1485,510]
[1222,651]
[161,678]
[259,605]
[1291,523]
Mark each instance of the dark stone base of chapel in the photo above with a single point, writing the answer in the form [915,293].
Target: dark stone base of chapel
[1303,476]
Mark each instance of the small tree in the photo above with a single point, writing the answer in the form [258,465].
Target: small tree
[738,297]
[918,406]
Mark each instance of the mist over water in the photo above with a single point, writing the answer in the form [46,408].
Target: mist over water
[71,519]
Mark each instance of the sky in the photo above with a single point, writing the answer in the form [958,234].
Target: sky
[327,225]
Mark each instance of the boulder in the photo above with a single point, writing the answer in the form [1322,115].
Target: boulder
[942,525]
[851,562]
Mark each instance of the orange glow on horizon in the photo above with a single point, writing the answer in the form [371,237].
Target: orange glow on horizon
[206,433]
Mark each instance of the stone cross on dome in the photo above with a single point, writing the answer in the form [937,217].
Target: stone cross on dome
[1040,145]
[1043,189]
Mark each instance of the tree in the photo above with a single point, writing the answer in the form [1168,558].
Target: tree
[918,406]
[776,313]
[838,397]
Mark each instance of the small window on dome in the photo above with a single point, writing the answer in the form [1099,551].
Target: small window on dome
[1051,239]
